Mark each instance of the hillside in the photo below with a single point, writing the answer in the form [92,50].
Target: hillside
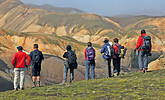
[129,86]
[24,25]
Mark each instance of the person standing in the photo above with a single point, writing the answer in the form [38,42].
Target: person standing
[106,49]
[144,50]
[116,58]
[18,61]
[90,61]
[36,60]
[71,64]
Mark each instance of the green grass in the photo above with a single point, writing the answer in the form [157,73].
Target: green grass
[131,86]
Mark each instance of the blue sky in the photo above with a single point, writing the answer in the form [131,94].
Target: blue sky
[108,7]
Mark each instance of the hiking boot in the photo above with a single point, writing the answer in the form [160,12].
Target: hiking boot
[145,70]
[140,71]
[21,88]
[39,84]
[15,89]
[118,73]
[34,84]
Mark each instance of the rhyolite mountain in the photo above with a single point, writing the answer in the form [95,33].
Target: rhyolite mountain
[24,25]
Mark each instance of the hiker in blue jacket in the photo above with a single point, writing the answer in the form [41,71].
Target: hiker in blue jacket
[106,57]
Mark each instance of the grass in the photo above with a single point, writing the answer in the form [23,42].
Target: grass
[131,86]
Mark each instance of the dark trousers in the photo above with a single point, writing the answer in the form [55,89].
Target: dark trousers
[116,65]
[108,67]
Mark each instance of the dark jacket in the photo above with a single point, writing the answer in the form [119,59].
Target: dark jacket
[41,56]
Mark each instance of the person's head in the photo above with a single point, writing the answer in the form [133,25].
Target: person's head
[89,44]
[143,31]
[115,40]
[68,48]
[19,48]
[35,46]
[106,40]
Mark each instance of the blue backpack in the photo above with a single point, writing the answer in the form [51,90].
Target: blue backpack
[90,53]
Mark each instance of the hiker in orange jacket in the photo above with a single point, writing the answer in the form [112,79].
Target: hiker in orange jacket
[18,61]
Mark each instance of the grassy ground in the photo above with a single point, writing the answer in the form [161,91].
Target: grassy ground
[131,86]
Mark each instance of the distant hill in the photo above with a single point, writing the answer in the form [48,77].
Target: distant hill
[58,9]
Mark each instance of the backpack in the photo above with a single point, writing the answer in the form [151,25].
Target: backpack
[146,43]
[90,53]
[121,51]
[36,59]
[110,50]
[72,57]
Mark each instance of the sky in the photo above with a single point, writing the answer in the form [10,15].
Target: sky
[109,7]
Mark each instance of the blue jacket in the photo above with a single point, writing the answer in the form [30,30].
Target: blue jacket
[103,50]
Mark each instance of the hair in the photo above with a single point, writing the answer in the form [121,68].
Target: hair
[68,48]
[143,31]
[89,44]
[115,40]
[35,45]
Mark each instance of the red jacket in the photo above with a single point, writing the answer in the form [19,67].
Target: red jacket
[140,42]
[86,58]
[18,60]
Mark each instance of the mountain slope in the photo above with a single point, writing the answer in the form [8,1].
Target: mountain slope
[129,86]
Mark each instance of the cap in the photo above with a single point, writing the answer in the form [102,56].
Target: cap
[19,48]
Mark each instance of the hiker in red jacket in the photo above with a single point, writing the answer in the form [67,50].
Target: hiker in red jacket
[116,58]
[18,61]
[144,48]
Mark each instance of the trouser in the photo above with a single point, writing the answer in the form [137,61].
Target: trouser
[19,72]
[143,60]
[116,65]
[65,72]
[88,64]
[108,67]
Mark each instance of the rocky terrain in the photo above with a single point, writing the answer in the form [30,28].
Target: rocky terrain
[24,25]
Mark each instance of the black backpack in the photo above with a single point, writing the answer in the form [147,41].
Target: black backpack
[36,59]
[72,57]
[146,43]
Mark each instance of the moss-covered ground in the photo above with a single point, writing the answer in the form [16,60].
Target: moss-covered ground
[130,86]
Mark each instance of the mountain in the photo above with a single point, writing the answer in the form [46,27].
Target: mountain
[58,9]
[130,86]
[25,25]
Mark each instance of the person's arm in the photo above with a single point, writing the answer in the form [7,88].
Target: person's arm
[42,57]
[85,53]
[31,53]
[94,53]
[65,55]
[13,60]
[139,42]
[102,49]
[28,60]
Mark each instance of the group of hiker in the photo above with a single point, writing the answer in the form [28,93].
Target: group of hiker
[109,50]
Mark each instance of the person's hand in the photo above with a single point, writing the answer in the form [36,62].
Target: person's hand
[134,51]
